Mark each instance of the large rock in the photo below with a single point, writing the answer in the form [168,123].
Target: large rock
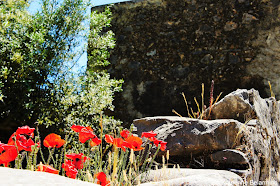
[252,147]
[193,177]
[10,176]
[186,136]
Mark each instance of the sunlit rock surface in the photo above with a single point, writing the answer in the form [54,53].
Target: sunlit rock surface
[19,177]
[249,147]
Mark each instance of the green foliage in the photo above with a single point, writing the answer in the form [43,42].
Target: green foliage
[81,101]
[34,48]
[36,54]
[100,41]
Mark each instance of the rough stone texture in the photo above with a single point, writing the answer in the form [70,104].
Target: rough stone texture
[229,156]
[187,136]
[165,47]
[257,138]
[238,103]
[199,177]
[20,177]
[267,61]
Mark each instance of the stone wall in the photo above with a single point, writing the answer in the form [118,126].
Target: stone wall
[165,47]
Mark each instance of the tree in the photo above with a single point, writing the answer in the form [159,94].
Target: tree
[35,80]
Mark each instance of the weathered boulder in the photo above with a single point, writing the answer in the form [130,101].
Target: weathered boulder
[229,156]
[10,176]
[236,105]
[187,136]
[252,144]
[199,177]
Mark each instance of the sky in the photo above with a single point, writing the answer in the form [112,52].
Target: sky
[82,62]
[102,2]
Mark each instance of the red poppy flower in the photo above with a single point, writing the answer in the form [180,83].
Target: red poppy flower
[70,169]
[21,141]
[94,142]
[134,142]
[117,142]
[78,159]
[78,128]
[102,179]
[162,144]
[125,133]
[148,134]
[85,133]
[47,168]
[53,140]
[25,130]
[8,153]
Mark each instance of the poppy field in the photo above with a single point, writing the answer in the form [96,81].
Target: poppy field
[106,160]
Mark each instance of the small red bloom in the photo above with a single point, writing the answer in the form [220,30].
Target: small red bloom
[78,128]
[25,130]
[117,142]
[102,179]
[70,169]
[47,168]
[53,140]
[85,133]
[21,141]
[94,142]
[78,159]
[10,153]
[162,144]
[134,142]
[148,134]
[109,138]
[125,133]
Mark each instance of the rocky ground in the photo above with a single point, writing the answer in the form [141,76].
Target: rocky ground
[241,135]
[236,145]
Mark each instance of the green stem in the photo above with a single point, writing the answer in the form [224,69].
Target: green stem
[146,159]
[50,155]
[115,162]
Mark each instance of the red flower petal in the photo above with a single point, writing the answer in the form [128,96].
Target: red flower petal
[162,144]
[25,130]
[117,142]
[102,179]
[53,140]
[21,142]
[125,133]
[78,159]
[70,169]
[109,138]
[135,142]
[78,128]
[89,128]
[85,135]
[29,143]
[148,134]
[9,154]
[94,142]
[47,168]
